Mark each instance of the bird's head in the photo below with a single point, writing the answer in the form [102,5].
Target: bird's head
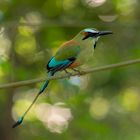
[91,34]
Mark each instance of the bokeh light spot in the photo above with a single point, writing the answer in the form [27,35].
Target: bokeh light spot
[126,7]
[95,3]
[19,107]
[25,45]
[108,18]
[5,45]
[130,100]
[54,117]
[99,108]
[69,4]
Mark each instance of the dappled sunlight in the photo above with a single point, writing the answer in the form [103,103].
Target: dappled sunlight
[30,22]
[99,108]
[22,99]
[131,99]
[125,7]
[25,31]
[34,18]
[95,3]
[27,94]
[108,18]
[19,108]
[54,117]
[5,44]
[2,29]
[75,80]
[69,4]
[25,46]
[82,82]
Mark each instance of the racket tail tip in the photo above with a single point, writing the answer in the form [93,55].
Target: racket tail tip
[20,120]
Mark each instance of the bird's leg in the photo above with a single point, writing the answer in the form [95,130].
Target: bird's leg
[76,70]
[68,73]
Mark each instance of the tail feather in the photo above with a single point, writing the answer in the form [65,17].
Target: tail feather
[44,86]
[46,83]
[20,120]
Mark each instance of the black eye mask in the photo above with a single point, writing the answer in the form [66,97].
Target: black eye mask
[90,35]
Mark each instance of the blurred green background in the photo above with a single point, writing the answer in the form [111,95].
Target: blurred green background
[100,106]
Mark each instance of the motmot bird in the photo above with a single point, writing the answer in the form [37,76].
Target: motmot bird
[70,55]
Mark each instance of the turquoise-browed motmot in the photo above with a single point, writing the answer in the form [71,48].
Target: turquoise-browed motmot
[70,55]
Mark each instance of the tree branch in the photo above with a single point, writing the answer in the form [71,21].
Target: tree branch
[37,80]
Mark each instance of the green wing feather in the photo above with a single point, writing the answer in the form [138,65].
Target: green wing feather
[72,50]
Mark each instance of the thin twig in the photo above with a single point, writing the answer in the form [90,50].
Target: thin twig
[37,80]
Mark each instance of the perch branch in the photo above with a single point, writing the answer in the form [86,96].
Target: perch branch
[102,68]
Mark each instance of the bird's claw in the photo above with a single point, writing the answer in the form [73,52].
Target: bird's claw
[68,73]
[78,72]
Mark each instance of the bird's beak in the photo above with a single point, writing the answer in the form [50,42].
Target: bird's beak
[101,33]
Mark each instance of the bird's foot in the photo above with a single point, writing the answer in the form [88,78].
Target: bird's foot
[78,72]
[68,73]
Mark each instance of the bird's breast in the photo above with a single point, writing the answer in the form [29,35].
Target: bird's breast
[86,53]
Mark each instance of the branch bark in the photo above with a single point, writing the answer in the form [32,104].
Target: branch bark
[98,69]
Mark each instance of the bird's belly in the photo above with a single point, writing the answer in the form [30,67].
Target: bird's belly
[85,55]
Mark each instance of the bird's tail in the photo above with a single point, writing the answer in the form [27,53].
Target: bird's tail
[46,83]
[20,120]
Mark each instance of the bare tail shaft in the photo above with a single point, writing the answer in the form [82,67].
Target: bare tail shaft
[20,120]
